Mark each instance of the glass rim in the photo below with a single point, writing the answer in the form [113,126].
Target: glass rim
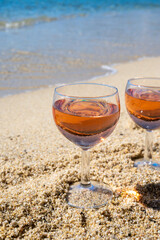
[85,83]
[143,78]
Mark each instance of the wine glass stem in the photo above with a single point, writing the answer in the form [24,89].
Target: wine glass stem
[148,146]
[85,168]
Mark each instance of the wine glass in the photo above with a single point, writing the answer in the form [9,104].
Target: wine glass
[142,98]
[86,113]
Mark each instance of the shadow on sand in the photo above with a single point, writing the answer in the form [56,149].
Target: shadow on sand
[150,195]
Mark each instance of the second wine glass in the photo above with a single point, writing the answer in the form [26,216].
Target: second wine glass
[142,97]
[86,113]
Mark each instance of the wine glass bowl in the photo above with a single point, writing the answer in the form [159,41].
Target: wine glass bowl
[86,113]
[142,98]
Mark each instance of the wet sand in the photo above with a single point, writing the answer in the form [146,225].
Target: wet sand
[37,165]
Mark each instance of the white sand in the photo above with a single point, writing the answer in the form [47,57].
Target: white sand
[37,164]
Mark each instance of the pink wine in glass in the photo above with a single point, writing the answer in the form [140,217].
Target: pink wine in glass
[86,113]
[85,122]
[143,106]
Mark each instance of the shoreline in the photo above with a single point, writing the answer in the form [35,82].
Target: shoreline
[112,70]
[37,164]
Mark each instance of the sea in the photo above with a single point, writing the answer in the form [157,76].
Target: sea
[48,42]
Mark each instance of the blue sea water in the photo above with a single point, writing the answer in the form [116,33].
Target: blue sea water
[15,13]
[46,42]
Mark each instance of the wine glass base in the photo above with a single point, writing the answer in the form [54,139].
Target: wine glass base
[143,163]
[94,195]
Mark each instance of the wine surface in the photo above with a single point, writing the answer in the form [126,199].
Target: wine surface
[85,122]
[143,107]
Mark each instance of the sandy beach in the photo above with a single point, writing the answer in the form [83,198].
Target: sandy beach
[37,164]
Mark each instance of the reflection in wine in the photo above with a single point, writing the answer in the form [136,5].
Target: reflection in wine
[85,123]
